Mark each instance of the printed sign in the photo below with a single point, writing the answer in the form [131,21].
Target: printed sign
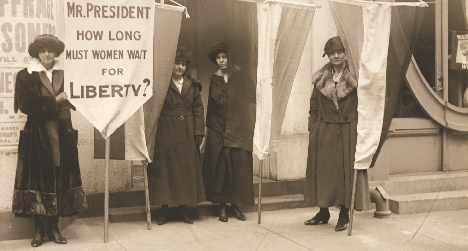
[21,22]
[108,59]
[459,59]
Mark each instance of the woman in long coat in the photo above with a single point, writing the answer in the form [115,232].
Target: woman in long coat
[175,175]
[228,163]
[48,180]
[332,140]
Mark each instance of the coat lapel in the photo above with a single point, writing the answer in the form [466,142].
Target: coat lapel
[186,86]
[219,81]
[173,86]
[57,80]
[46,82]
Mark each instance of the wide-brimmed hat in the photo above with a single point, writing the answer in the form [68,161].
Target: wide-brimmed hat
[215,49]
[183,54]
[43,41]
[333,44]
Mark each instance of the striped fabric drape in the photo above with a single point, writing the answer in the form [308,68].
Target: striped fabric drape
[379,38]
[282,34]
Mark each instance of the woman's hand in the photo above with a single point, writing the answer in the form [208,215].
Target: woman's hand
[61,97]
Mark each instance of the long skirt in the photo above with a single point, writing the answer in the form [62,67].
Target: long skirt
[233,178]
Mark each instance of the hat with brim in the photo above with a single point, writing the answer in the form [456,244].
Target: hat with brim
[333,44]
[45,41]
[215,50]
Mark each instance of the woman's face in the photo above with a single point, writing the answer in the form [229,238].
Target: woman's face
[222,60]
[179,67]
[47,56]
[337,57]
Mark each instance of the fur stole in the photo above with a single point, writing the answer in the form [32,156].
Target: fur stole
[323,81]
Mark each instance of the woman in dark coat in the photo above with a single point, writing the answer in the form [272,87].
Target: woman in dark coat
[228,163]
[332,140]
[48,180]
[175,175]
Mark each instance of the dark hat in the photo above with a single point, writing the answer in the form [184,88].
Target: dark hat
[43,41]
[215,49]
[333,44]
[183,54]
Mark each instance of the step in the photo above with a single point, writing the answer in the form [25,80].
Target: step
[424,182]
[426,202]
[138,213]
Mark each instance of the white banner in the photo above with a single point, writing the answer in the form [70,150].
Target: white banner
[108,59]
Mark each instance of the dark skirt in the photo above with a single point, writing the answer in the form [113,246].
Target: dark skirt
[233,178]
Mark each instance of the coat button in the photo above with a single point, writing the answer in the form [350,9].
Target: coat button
[345,117]
[221,96]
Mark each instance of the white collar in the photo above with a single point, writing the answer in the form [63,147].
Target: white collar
[35,65]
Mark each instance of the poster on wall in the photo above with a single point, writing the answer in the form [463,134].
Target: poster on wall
[21,22]
[459,58]
[108,59]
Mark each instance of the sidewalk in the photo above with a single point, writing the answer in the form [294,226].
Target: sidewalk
[280,230]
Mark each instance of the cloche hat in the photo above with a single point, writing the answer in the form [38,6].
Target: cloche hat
[333,44]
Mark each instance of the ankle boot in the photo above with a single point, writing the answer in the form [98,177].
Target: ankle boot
[53,231]
[343,219]
[183,213]
[222,213]
[162,215]
[39,235]
[321,217]
[237,213]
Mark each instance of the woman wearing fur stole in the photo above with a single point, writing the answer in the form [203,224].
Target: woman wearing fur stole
[332,140]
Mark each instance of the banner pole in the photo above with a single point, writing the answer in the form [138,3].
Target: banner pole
[106,192]
[353,198]
[148,206]
[260,192]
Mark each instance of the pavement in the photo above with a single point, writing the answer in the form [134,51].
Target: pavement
[279,230]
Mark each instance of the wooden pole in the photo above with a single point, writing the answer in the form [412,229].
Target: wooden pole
[106,192]
[148,206]
[353,198]
[260,192]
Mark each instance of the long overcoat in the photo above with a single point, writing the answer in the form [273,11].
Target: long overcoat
[230,121]
[175,175]
[48,178]
[332,143]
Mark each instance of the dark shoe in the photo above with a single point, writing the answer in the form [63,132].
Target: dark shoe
[184,215]
[39,235]
[342,223]
[237,213]
[162,215]
[222,213]
[319,218]
[53,231]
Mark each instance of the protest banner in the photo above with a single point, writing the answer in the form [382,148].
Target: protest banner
[21,22]
[108,59]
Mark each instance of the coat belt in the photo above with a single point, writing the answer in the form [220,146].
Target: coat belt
[339,118]
[183,110]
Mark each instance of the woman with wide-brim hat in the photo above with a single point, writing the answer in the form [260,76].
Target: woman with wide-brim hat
[332,140]
[228,163]
[48,180]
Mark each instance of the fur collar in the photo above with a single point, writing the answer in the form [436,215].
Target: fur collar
[323,81]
